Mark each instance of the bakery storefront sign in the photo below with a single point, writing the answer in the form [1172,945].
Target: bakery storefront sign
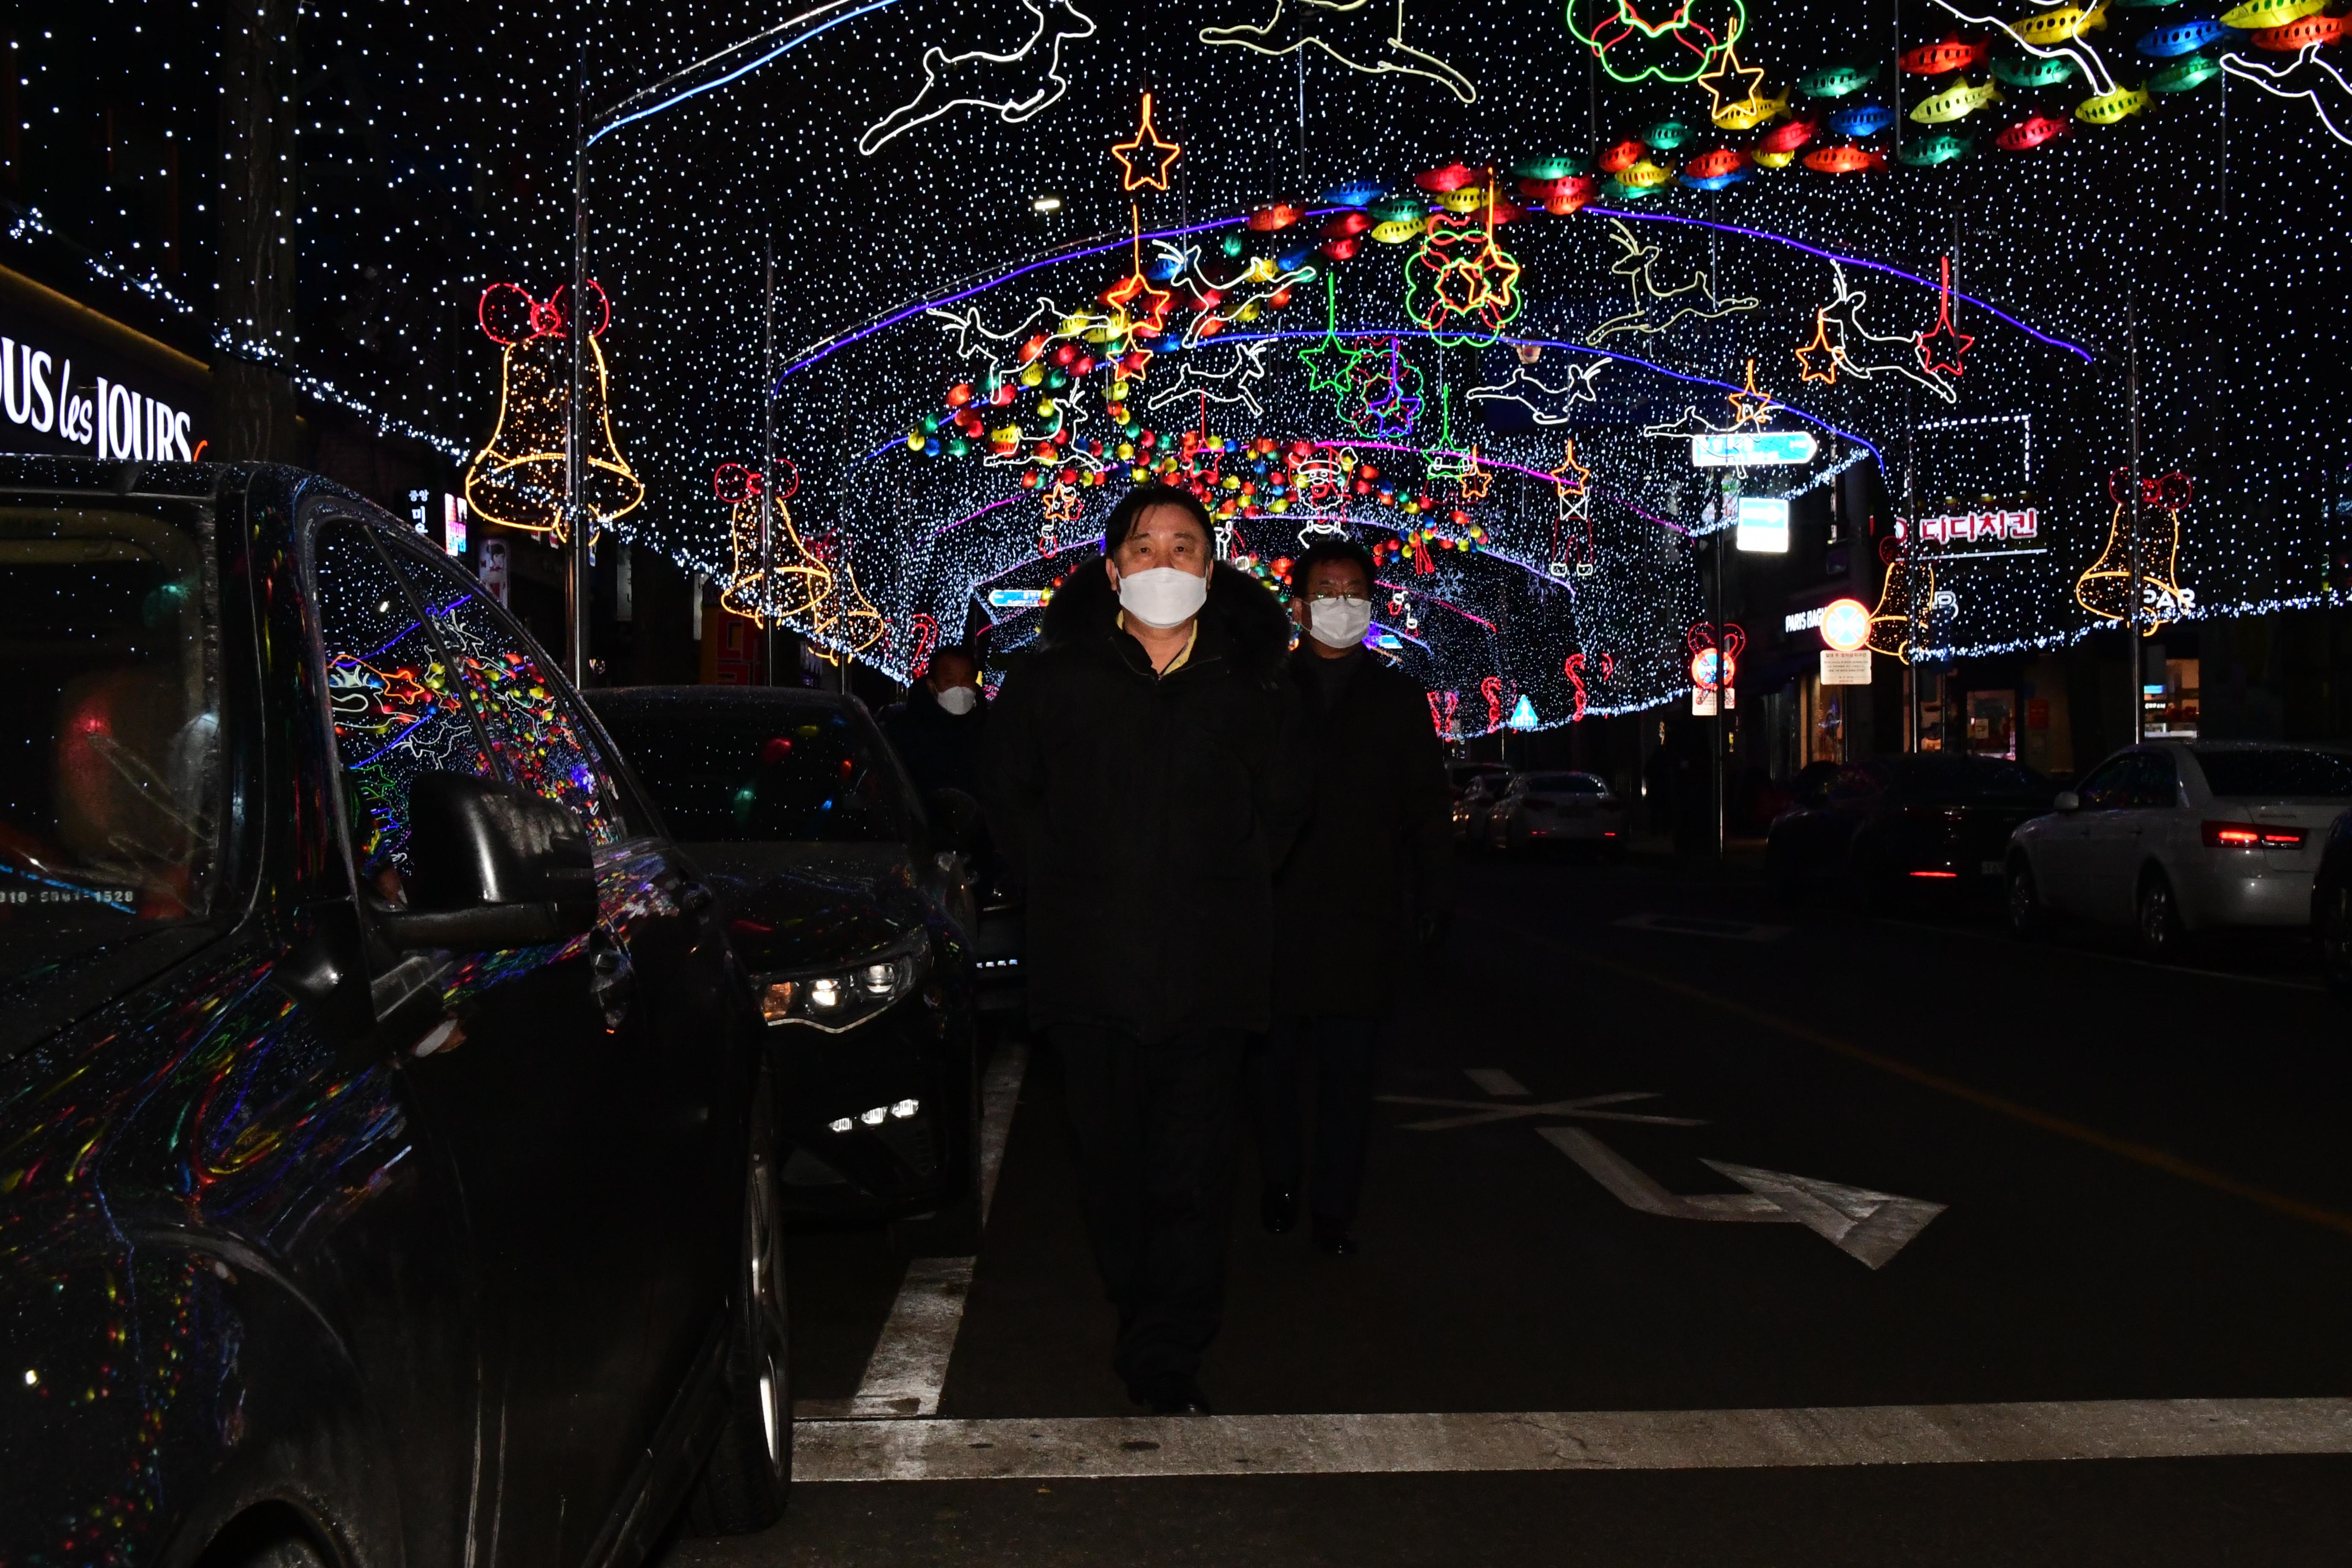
[75,382]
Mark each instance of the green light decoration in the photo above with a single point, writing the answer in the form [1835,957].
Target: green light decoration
[1332,363]
[1677,48]
[1459,285]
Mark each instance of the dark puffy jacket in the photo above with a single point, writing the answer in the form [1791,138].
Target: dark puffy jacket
[1376,852]
[941,750]
[1147,813]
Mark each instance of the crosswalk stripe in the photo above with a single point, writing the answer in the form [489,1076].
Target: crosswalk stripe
[1010,1449]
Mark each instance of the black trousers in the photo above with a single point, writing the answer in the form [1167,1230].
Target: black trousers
[1156,1129]
[1341,1050]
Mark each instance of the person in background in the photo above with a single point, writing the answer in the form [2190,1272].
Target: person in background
[1144,773]
[1368,887]
[938,729]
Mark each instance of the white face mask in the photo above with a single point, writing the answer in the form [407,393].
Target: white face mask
[959,699]
[1338,623]
[1162,597]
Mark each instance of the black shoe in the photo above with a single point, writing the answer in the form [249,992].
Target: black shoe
[1332,1238]
[1172,1396]
[1278,1208]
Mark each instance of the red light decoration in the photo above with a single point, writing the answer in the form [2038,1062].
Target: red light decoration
[1959,341]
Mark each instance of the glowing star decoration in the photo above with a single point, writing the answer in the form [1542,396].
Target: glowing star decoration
[1727,83]
[1146,149]
[1634,265]
[1959,341]
[1065,504]
[1012,87]
[793,580]
[2104,587]
[1386,397]
[1571,528]
[1751,406]
[1365,35]
[1460,286]
[1545,404]
[518,479]
[1821,349]
[1331,362]
[1677,48]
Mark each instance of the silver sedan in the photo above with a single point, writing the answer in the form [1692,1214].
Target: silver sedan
[1556,808]
[2173,838]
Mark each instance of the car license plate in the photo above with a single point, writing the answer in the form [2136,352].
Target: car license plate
[1989,868]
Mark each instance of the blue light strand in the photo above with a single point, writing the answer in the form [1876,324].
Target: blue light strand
[740,71]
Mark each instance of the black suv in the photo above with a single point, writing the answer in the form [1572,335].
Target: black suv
[853,922]
[385,1164]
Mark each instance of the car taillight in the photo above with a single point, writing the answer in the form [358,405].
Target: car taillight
[1939,876]
[2248,836]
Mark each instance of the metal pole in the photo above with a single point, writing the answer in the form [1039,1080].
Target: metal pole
[768,464]
[2131,627]
[579,584]
[1722,684]
[1913,622]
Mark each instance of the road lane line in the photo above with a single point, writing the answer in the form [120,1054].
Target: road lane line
[1497,1082]
[1142,1447]
[909,1364]
[2139,1153]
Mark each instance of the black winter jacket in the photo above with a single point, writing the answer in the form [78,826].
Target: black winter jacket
[941,750]
[1376,852]
[1147,813]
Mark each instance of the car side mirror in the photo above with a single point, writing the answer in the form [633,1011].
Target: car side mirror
[491,868]
[2066,800]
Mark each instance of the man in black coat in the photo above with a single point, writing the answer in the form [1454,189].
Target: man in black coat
[1368,886]
[936,730]
[1144,773]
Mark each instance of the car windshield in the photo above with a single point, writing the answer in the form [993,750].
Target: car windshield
[1563,783]
[1933,776]
[2276,771]
[111,805]
[742,773]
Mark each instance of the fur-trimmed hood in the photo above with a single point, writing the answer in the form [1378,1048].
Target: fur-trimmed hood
[1241,619]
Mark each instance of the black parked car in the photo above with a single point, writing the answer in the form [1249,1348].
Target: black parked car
[852,923]
[384,1168]
[1927,822]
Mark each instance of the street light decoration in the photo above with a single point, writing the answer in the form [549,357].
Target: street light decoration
[517,479]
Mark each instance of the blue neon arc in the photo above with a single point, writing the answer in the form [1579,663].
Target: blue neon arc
[829,349]
[1990,309]
[743,70]
[826,350]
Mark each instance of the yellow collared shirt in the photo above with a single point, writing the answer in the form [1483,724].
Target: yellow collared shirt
[1181,653]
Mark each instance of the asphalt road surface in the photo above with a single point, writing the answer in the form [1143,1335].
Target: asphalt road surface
[1699,1230]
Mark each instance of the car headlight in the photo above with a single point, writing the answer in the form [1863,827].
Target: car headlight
[842,997]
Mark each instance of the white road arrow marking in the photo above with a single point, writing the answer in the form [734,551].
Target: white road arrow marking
[1873,1227]
[1497,1082]
[1868,1226]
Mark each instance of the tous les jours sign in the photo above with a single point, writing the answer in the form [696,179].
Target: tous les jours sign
[110,420]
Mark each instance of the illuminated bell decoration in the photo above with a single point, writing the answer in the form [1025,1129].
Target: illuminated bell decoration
[2104,587]
[518,479]
[801,581]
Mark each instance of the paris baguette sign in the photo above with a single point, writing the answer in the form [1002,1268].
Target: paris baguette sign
[52,389]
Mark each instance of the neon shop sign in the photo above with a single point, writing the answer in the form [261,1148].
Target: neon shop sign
[1963,528]
[109,418]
